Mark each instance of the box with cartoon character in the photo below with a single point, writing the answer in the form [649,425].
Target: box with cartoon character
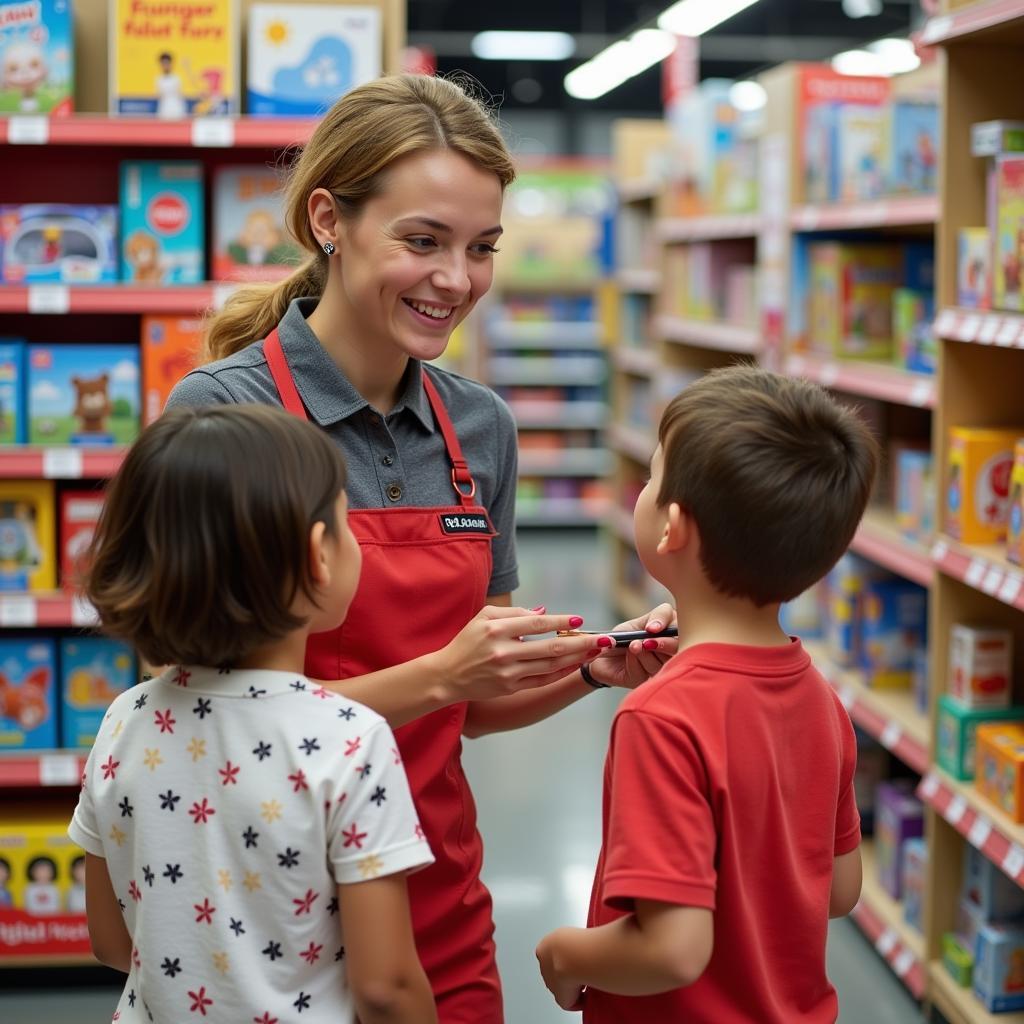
[36,58]
[79,514]
[28,694]
[83,394]
[93,671]
[58,243]
[1008,239]
[12,391]
[980,464]
[999,967]
[162,231]
[27,539]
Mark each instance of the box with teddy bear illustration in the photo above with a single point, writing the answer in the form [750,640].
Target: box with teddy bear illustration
[83,394]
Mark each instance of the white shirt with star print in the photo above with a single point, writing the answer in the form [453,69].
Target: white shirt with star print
[228,807]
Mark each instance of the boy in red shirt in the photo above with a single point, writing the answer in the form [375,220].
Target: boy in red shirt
[730,831]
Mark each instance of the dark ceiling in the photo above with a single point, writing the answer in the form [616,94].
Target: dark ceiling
[767,33]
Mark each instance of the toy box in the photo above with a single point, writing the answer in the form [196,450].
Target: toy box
[12,391]
[980,666]
[58,243]
[957,734]
[303,57]
[913,147]
[894,625]
[993,138]
[1015,519]
[850,299]
[27,540]
[93,671]
[1008,227]
[28,694]
[978,490]
[1000,767]
[969,921]
[83,394]
[999,968]
[804,616]
[174,60]
[42,884]
[958,960]
[899,816]
[860,140]
[170,349]
[79,514]
[845,586]
[974,268]
[915,345]
[915,493]
[921,674]
[36,58]
[913,867]
[250,240]
[163,233]
[995,894]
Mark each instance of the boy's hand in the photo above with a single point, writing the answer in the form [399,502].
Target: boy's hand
[568,993]
[629,667]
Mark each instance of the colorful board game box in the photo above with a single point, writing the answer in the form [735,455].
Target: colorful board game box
[899,816]
[163,234]
[1015,519]
[957,734]
[915,345]
[93,671]
[860,141]
[994,893]
[170,349]
[28,694]
[999,770]
[12,391]
[1008,258]
[58,243]
[79,514]
[978,488]
[999,967]
[893,625]
[28,545]
[913,147]
[912,869]
[915,493]
[83,394]
[993,138]
[37,74]
[174,60]
[303,57]
[974,268]
[250,239]
[980,666]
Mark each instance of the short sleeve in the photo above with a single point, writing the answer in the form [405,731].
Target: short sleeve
[198,389]
[847,815]
[502,509]
[660,834]
[372,828]
[84,828]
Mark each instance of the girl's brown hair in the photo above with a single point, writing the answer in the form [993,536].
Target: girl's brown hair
[359,138]
[203,543]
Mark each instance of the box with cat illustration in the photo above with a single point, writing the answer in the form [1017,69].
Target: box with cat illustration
[27,536]
[28,694]
[83,394]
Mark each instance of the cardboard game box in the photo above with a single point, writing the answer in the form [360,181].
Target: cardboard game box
[27,537]
[93,671]
[1008,248]
[36,58]
[12,391]
[28,694]
[58,243]
[79,514]
[170,349]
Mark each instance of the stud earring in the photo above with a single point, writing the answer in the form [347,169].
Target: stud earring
[329,248]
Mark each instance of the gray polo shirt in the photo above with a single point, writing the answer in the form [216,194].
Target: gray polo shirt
[395,460]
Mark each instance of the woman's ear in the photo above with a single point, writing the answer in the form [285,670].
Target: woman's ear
[323,216]
[319,564]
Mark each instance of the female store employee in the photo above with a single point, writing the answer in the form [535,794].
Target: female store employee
[397,197]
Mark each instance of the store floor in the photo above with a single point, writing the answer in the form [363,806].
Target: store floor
[538,793]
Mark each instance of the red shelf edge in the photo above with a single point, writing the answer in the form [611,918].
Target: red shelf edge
[906,559]
[901,958]
[886,211]
[1003,582]
[868,379]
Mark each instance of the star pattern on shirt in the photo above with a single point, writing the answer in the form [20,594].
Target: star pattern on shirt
[298,686]
[126,808]
[332,907]
[141,702]
[152,759]
[201,812]
[109,768]
[298,780]
[253,692]
[165,720]
[221,962]
[363,771]
[302,1003]
[262,750]
[353,837]
[351,746]
[174,873]
[347,713]
[305,903]
[323,693]
[273,951]
[270,811]
[379,796]
[204,707]
[236,927]
[172,968]
[182,676]
[197,748]
[148,876]
[168,800]
[134,891]
[288,859]
[118,729]
[312,953]
[200,1001]
[309,745]
[371,867]
[224,879]
[205,911]
[229,774]
[250,836]
[117,836]
[265,1019]
[252,881]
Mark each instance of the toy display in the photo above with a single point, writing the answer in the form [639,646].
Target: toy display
[915,493]
[163,233]
[999,968]
[921,675]
[1015,519]
[28,694]
[55,243]
[916,347]
[978,490]
[899,816]
[999,899]
[956,734]
[79,514]
[980,666]
[93,671]
[36,58]
[894,620]
[913,147]
[974,268]
[969,921]
[913,868]
[958,960]
[860,139]
[993,138]
[1008,240]
[83,394]
[872,769]
[170,349]
[845,586]
[303,57]
[250,240]
[1000,767]
[174,60]
[27,540]
[12,391]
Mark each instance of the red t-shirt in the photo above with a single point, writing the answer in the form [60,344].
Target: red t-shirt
[729,785]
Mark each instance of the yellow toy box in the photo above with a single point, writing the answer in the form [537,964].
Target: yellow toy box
[978,489]
[28,540]
[42,884]
[999,775]
[1015,519]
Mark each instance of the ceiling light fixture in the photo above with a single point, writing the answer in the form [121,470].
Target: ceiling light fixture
[885,58]
[747,96]
[695,17]
[618,63]
[523,45]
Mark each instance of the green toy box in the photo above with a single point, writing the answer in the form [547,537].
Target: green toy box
[958,960]
[956,734]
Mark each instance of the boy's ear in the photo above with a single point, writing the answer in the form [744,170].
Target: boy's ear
[319,567]
[678,530]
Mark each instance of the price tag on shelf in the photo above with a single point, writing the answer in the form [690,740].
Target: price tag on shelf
[922,393]
[62,463]
[221,293]
[969,328]
[829,374]
[59,770]
[929,786]
[992,581]
[1008,331]
[82,612]
[956,810]
[213,131]
[891,735]
[979,832]
[936,28]
[49,298]
[1010,590]
[945,326]
[886,942]
[975,572]
[903,962]
[28,131]
[1013,862]
[989,330]
[939,551]
[17,610]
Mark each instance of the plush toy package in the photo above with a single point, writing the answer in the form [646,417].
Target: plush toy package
[170,349]
[93,671]
[27,537]
[28,694]
[58,243]
[36,58]
[83,394]
[12,391]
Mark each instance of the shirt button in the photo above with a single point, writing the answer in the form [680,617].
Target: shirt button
[394,492]
[388,460]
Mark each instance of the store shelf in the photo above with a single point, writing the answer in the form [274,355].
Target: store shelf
[113,298]
[974,21]
[554,334]
[45,610]
[639,190]
[880,918]
[24,462]
[641,280]
[560,415]
[960,1005]
[632,603]
[561,512]
[1004,330]
[547,285]
[57,960]
[890,716]
[903,211]
[586,462]
[620,522]
[97,130]
[872,380]
[640,362]
[708,229]
[713,334]
[528,371]
[30,769]
[632,442]
[880,540]
[983,568]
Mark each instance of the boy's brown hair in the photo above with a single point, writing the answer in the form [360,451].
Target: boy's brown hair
[203,543]
[774,472]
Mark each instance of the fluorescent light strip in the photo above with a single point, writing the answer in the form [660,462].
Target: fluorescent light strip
[523,45]
[618,63]
[695,17]
[885,57]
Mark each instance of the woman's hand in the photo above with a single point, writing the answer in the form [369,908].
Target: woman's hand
[633,665]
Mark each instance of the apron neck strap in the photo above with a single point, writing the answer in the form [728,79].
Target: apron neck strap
[461,477]
[283,376]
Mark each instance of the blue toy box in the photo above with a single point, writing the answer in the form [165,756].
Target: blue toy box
[93,671]
[58,243]
[83,394]
[12,391]
[163,235]
[36,58]
[998,897]
[999,967]
[28,692]
[894,626]
[913,147]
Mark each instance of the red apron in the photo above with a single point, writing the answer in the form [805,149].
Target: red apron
[425,574]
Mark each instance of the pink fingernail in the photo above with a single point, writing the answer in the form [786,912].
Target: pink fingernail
[575,622]
[655,627]
[650,645]
[540,608]
[605,641]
